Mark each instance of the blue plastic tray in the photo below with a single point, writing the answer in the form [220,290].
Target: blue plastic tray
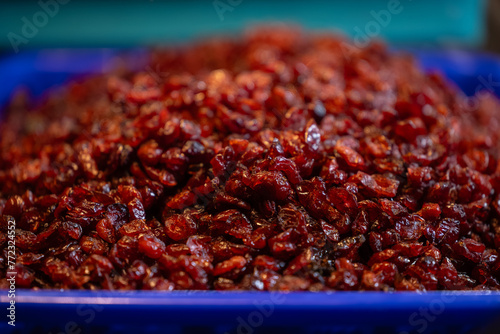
[37,71]
[218,312]
[246,313]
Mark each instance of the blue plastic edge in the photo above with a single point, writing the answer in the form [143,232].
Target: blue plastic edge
[38,71]
[334,299]
[223,308]
[253,312]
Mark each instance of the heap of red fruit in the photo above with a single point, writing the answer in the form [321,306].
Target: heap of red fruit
[278,161]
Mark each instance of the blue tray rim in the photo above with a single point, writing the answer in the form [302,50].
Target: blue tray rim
[224,299]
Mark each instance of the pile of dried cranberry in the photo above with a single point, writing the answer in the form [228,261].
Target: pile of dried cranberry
[278,161]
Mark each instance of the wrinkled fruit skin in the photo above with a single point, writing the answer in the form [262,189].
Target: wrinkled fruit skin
[280,161]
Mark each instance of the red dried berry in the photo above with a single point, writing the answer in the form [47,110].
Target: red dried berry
[151,246]
[179,227]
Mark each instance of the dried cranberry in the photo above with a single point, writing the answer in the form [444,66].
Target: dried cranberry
[179,227]
[151,246]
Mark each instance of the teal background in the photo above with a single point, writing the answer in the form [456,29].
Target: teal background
[144,22]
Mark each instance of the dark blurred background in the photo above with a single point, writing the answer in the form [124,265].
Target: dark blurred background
[45,42]
[77,23]
[493,24]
